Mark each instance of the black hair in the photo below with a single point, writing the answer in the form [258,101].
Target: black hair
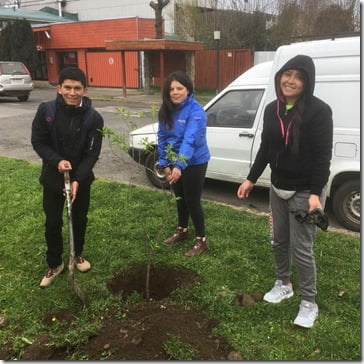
[72,73]
[168,107]
[297,121]
[298,111]
[306,66]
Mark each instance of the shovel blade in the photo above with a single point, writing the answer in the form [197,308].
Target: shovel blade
[76,288]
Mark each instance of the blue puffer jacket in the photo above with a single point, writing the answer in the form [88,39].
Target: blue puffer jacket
[187,137]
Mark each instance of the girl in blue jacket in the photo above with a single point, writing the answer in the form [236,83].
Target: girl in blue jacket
[183,155]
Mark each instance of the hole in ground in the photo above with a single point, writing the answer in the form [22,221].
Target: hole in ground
[163,281]
[152,330]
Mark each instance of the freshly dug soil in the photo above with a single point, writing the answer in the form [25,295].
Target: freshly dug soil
[143,331]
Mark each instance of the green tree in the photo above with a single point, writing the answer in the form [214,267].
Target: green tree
[334,19]
[17,44]
[285,25]
[313,19]
[253,32]
[263,25]
[238,29]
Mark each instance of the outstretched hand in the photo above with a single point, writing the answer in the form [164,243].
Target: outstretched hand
[244,189]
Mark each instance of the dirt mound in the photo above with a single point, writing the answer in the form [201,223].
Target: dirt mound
[156,329]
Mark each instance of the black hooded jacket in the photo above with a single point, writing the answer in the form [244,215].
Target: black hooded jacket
[68,138]
[308,168]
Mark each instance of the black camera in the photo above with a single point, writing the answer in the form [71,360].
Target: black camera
[317,217]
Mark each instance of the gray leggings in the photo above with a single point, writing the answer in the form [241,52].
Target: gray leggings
[293,239]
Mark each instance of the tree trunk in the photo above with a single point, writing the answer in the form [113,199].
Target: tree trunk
[158,7]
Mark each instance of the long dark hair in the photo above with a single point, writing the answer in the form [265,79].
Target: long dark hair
[168,107]
[297,111]
[297,121]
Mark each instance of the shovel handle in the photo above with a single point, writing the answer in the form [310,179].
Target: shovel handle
[67,188]
[71,262]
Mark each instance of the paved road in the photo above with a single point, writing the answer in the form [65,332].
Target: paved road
[15,127]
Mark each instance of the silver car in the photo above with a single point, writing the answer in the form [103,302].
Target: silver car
[15,80]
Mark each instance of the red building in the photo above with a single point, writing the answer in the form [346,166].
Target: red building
[113,53]
[83,44]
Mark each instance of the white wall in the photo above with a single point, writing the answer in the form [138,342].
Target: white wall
[108,9]
[260,57]
[115,9]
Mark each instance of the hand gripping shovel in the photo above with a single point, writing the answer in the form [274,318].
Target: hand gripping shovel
[71,262]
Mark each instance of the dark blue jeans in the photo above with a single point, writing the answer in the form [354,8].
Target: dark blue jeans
[188,191]
[53,206]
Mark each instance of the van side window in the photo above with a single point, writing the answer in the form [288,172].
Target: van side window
[235,109]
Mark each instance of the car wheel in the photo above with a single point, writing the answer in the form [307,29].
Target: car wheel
[23,98]
[346,205]
[154,174]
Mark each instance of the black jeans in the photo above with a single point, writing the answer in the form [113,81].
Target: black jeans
[188,191]
[53,205]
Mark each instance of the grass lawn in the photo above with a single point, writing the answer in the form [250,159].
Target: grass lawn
[239,260]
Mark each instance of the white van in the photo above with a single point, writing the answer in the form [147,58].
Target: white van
[235,120]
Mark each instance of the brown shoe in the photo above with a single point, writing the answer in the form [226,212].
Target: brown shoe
[181,234]
[199,247]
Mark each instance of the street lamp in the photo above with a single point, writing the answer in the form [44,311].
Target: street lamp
[217,39]
[59,2]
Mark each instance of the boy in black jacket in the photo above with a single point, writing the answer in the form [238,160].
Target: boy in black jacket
[66,135]
[297,143]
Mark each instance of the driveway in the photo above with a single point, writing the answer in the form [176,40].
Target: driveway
[15,128]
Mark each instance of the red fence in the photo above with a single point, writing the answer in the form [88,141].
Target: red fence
[232,63]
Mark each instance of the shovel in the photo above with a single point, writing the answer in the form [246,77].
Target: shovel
[71,263]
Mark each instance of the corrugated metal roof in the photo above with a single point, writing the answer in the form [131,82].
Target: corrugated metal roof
[31,16]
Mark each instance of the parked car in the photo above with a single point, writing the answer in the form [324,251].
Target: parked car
[15,80]
[235,119]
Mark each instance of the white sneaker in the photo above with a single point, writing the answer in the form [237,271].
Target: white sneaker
[307,314]
[82,264]
[50,275]
[279,292]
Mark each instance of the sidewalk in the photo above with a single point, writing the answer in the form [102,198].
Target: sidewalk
[110,93]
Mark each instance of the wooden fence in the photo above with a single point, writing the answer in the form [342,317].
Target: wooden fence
[223,64]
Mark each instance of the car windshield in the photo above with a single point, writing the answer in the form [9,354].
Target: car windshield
[235,109]
[12,68]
